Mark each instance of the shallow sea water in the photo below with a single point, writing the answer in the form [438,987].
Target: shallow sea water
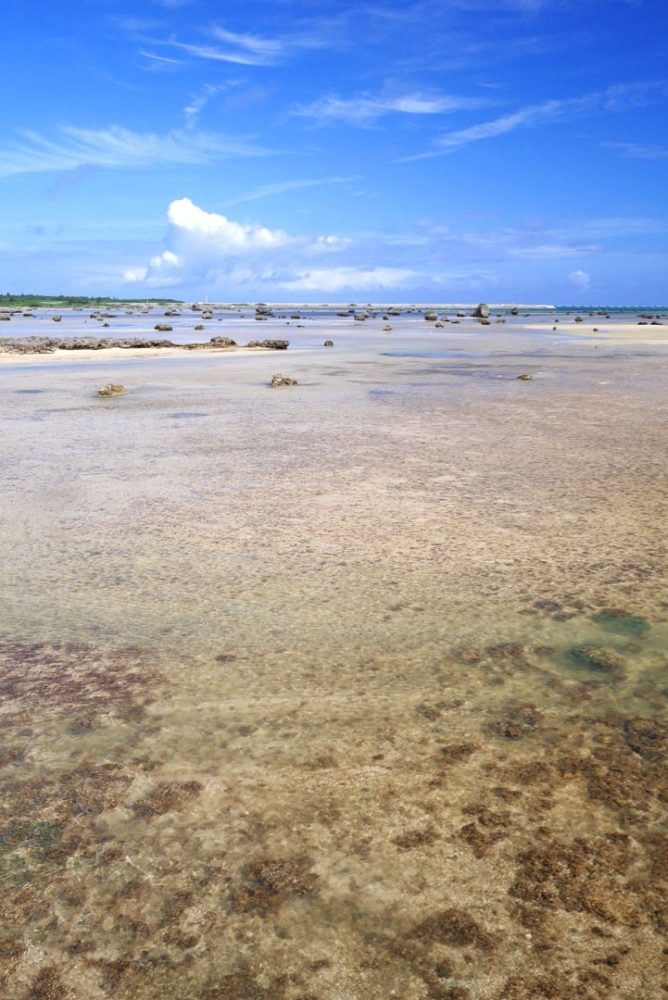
[355,689]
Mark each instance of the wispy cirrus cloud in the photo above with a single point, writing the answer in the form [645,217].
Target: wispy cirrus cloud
[198,101]
[117,147]
[158,62]
[367,109]
[620,97]
[282,187]
[221,45]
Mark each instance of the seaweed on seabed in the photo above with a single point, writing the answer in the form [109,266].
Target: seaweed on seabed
[622,622]
[598,659]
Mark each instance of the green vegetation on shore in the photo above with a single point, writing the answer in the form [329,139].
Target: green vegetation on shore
[8,300]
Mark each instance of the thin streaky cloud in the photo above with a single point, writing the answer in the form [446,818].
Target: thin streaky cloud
[268,48]
[118,147]
[164,62]
[638,150]
[267,190]
[240,58]
[366,109]
[247,49]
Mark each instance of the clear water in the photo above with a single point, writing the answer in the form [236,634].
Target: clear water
[354,689]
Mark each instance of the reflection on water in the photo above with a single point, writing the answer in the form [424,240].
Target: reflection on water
[324,698]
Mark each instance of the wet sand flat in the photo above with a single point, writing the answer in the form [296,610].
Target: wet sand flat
[352,689]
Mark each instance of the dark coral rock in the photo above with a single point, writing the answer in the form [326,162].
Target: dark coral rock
[166,796]
[454,753]
[454,927]
[648,738]
[598,659]
[47,985]
[267,884]
[415,838]
[517,721]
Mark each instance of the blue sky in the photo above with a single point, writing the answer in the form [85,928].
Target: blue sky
[321,150]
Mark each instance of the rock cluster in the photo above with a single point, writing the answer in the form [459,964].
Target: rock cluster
[47,345]
[272,345]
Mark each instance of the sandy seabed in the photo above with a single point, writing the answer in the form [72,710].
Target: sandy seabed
[345,691]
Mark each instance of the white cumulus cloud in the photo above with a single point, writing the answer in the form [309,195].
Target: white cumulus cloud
[220,233]
[208,247]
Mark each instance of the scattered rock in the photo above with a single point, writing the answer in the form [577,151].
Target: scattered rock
[481,311]
[328,343]
[431,317]
[578,319]
[163,327]
[222,342]
[279,380]
[525,378]
[112,389]
[387,328]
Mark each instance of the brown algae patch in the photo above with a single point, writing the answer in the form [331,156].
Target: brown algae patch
[448,851]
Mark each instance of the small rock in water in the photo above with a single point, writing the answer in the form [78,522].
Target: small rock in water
[279,380]
[112,389]
[387,328]
[162,327]
[525,378]
[328,343]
